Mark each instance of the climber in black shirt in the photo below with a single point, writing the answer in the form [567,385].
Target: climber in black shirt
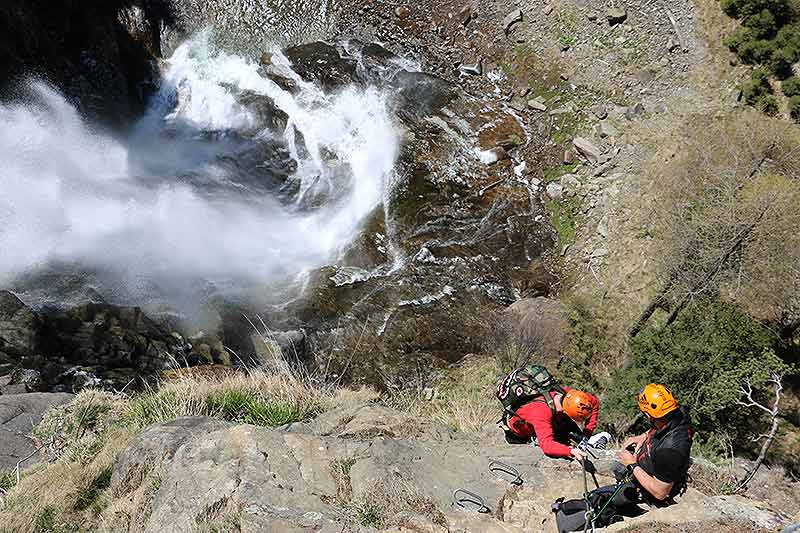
[659,459]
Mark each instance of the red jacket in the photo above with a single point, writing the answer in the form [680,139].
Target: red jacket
[535,418]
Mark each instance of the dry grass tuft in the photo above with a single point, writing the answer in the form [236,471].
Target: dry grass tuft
[384,504]
[465,400]
[255,397]
[69,493]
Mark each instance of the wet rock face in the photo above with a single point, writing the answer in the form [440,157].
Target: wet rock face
[99,53]
[89,345]
[456,239]
[323,64]
[457,242]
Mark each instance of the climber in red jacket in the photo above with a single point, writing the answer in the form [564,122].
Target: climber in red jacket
[552,427]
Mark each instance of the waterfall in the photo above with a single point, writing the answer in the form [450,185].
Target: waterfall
[169,201]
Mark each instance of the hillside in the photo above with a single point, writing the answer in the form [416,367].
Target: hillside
[262,264]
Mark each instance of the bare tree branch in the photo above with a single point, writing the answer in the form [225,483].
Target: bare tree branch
[776,380]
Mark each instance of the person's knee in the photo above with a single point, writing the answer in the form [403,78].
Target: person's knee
[619,470]
[627,495]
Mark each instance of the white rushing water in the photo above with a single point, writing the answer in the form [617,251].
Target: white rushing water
[141,207]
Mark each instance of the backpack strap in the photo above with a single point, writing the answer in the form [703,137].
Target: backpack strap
[549,399]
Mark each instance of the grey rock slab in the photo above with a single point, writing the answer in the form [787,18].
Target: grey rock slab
[588,149]
[17,388]
[19,414]
[634,111]
[518,104]
[537,104]
[606,129]
[600,111]
[554,190]
[367,420]
[616,15]
[242,467]
[570,182]
[156,445]
[474,69]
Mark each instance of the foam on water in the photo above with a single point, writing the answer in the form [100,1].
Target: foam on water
[71,194]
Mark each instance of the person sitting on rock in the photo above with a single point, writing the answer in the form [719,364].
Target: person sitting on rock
[554,424]
[658,460]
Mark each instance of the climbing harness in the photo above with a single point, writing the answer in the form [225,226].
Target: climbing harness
[469,501]
[591,516]
[505,470]
[592,510]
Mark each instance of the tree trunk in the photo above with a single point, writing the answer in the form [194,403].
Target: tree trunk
[657,300]
[761,456]
[699,287]
[748,392]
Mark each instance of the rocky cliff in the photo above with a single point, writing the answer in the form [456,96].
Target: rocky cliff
[366,468]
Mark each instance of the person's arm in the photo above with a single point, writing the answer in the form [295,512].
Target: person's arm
[518,425]
[591,425]
[657,488]
[667,471]
[538,415]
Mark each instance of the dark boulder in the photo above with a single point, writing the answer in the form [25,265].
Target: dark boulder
[89,345]
[19,325]
[322,63]
[420,94]
[100,54]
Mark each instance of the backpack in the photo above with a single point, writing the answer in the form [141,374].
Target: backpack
[571,514]
[527,384]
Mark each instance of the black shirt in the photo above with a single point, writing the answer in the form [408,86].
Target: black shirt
[668,465]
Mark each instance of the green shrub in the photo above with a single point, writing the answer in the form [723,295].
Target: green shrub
[696,356]
[791,86]
[788,40]
[757,51]
[738,38]
[758,87]
[768,104]
[762,24]
[780,63]
[739,9]
[794,107]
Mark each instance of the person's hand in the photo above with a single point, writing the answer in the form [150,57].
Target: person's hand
[626,458]
[627,442]
[636,441]
[578,454]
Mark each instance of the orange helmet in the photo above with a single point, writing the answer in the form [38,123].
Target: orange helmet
[577,405]
[657,401]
